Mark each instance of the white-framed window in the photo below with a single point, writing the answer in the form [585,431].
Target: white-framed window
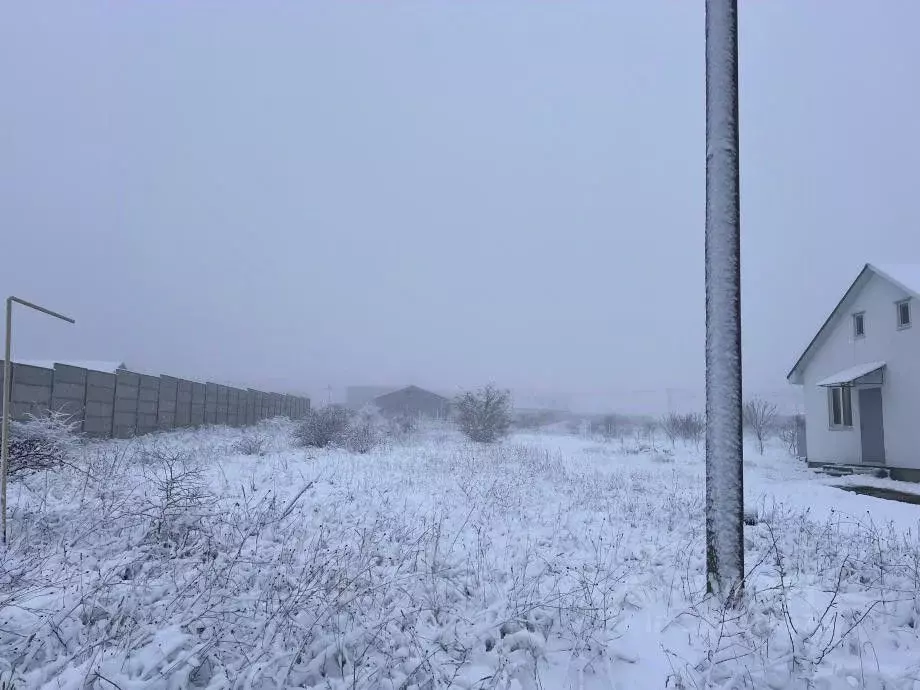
[859,324]
[840,407]
[903,308]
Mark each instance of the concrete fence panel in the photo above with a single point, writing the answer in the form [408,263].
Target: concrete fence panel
[252,401]
[210,404]
[257,401]
[68,392]
[255,404]
[199,391]
[147,403]
[233,409]
[30,393]
[223,404]
[264,410]
[100,404]
[126,403]
[243,408]
[241,395]
[127,392]
[166,403]
[184,404]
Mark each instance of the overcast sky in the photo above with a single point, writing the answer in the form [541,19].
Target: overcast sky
[296,194]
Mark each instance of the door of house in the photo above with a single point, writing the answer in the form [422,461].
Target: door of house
[871,426]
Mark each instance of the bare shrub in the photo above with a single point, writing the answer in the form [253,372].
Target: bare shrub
[365,430]
[789,434]
[684,427]
[649,428]
[45,442]
[177,492]
[759,418]
[404,425]
[611,426]
[484,415]
[324,427]
[251,443]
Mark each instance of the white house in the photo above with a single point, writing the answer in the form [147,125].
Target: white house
[861,375]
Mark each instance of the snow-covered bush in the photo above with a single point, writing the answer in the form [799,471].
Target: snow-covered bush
[366,429]
[484,415]
[327,426]
[251,443]
[43,442]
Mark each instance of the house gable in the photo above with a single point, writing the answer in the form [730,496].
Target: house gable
[905,278]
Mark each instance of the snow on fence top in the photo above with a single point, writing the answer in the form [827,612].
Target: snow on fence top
[92,365]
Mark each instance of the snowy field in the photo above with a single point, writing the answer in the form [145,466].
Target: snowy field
[544,562]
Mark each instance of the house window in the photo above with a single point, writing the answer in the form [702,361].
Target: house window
[840,407]
[903,313]
[859,325]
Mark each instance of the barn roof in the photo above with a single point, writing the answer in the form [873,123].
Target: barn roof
[409,389]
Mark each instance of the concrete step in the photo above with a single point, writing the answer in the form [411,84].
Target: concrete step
[847,470]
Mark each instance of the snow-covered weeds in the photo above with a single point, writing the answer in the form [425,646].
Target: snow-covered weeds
[41,443]
[174,562]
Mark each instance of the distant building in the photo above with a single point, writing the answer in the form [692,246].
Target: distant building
[357,397]
[414,402]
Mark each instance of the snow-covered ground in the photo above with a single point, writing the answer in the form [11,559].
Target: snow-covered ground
[544,562]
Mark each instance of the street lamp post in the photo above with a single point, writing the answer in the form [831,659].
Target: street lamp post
[7,388]
[724,434]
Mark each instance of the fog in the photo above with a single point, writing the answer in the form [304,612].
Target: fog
[303,195]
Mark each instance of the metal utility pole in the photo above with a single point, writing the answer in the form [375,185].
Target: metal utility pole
[7,388]
[724,475]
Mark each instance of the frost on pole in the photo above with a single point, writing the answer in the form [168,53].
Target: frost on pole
[724,480]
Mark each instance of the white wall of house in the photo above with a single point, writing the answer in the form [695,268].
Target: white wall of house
[883,341]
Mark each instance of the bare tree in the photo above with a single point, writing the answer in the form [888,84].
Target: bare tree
[760,419]
[694,427]
[484,415]
[685,427]
[670,425]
